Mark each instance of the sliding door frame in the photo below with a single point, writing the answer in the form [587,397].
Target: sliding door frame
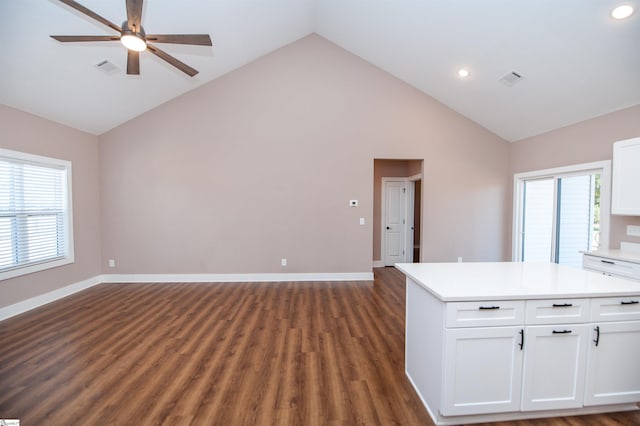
[603,167]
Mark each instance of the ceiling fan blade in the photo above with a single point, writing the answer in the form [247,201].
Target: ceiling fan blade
[197,39]
[173,61]
[134,14]
[69,38]
[91,14]
[133,62]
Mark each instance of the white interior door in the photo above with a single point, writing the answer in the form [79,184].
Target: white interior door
[394,220]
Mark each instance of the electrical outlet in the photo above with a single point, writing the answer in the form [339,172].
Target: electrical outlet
[460,259]
[362,221]
[112,263]
[283,262]
[633,230]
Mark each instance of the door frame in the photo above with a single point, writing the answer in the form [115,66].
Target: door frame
[383,216]
[577,169]
[411,219]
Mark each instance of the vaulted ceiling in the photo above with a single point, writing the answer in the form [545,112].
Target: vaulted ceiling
[576,62]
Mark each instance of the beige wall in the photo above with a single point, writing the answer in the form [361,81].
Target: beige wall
[23,132]
[587,141]
[261,164]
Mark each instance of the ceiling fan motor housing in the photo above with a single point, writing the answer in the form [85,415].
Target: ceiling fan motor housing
[128,31]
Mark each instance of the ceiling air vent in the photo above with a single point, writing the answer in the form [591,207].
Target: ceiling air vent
[107,67]
[511,79]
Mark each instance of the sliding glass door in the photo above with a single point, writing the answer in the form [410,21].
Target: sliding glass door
[558,215]
[578,218]
[537,220]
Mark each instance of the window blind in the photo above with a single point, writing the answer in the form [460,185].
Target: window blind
[33,213]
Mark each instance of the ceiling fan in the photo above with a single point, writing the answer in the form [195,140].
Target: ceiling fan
[134,38]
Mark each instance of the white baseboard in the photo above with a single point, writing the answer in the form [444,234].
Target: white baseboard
[378,264]
[43,299]
[234,278]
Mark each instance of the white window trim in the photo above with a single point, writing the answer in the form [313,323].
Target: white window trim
[70,257]
[605,199]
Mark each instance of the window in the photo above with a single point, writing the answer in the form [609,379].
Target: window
[35,214]
[558,213]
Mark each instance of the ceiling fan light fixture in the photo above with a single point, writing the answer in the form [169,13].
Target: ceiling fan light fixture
[133,42]
[134,38]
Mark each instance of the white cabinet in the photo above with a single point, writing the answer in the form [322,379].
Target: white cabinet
[554,366]
[536,355]
[482,370]
[482,357]
[557,311]
[613,371]
[615,309]
[625,196]
[531,355]
[555,355]
[485,314]
[611,267]
[513,367]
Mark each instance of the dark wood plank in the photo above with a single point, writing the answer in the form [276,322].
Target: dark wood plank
[311,353]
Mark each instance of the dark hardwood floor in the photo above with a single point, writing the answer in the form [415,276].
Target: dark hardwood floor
[306,353]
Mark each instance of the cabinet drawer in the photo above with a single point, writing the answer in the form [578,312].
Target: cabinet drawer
[608,266]
[615,309]
[558,311]
[483,314]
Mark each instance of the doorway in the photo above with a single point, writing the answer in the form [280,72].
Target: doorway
[397,211]
[416,189]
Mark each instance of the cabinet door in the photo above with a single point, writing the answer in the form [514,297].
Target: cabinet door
[613,368]
[554,366]
[482,370]
[625,197]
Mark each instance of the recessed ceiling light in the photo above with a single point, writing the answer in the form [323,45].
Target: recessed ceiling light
[622,12]
[463,73]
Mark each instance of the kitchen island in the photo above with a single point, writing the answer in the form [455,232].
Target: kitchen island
[507,341]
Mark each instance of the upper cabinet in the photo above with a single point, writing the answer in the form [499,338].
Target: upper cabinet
[625,189]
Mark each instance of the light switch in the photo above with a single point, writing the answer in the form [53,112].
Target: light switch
[353,203]
[362,221]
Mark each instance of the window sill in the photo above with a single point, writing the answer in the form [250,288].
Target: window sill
[37,267]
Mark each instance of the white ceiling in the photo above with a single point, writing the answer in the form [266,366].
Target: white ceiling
[576,61]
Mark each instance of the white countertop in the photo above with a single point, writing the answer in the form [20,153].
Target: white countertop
[514,280]
[612,254]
